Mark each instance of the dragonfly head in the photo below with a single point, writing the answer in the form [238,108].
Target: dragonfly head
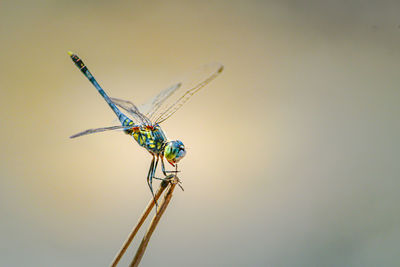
[174,151]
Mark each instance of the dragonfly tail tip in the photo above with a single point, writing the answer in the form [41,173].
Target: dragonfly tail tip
[221,68]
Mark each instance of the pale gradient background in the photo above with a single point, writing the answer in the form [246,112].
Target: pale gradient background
[293,155]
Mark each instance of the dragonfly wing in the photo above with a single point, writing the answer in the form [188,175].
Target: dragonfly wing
[98,130]
[190,85]
[154,104]
[131,108]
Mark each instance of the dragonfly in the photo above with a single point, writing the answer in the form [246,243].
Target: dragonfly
[143,122]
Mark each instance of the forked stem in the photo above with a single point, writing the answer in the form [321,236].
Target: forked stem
[163,206]
[145,213]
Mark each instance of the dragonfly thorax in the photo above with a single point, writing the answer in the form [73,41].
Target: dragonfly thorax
[151,138]
[174,151]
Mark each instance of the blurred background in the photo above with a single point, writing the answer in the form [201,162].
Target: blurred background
[293,151]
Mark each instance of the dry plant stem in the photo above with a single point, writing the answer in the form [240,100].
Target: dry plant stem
[138,225]
[153,225]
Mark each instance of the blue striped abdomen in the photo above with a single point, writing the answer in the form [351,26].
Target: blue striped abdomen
[125,121]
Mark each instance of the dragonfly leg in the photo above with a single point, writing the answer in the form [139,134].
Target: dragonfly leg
[170,177]
[153,172]
[163,168]
[150,180]
[179,183]
[166,179]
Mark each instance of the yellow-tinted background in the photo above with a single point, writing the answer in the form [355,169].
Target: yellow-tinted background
[293,152]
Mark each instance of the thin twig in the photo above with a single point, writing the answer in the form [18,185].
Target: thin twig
[153,224]
[145,213]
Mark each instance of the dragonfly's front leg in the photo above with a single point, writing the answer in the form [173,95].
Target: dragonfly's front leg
[169,177]
[163,168]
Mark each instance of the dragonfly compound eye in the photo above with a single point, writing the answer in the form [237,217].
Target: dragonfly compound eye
[174,151]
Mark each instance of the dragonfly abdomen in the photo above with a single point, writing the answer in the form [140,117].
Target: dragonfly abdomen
[125,121]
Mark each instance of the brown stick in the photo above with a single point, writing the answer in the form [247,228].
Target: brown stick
[143,245]
[145,213]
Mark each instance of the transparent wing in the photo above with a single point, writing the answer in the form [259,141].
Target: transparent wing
[168,101]
[131,108]
[154,104]
[98,130]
